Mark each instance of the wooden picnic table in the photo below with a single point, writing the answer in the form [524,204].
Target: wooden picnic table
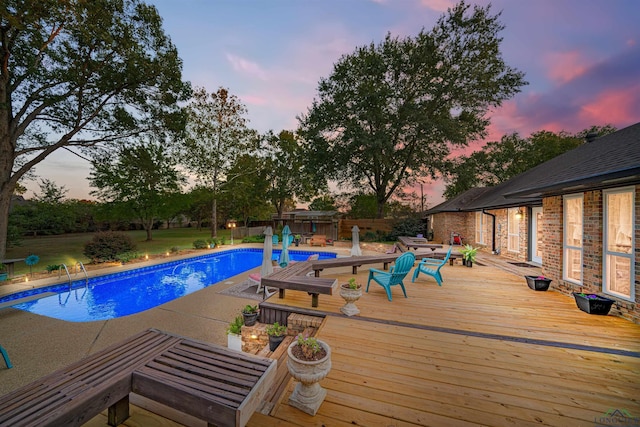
[417,243]
[354,261]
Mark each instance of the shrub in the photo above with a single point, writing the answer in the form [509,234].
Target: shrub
[125,257]
[106,246]
[200,244]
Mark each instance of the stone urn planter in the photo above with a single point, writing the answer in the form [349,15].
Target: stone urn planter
[592,303]
[538,283]
[308,395]
[350,292]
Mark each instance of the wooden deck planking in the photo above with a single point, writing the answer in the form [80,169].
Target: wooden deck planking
[435,358]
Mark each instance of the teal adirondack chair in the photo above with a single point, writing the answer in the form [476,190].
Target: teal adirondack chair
[275,240]
[5,356]
[431,267]
[395,275]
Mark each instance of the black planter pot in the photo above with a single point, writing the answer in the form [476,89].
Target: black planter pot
[250,319]
[593,304]
[537,284]
[274,342]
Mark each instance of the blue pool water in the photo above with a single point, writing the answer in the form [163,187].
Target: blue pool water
[133,291]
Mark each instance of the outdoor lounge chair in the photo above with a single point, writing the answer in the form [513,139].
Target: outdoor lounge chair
[431,267]
[275,240]
[395,275]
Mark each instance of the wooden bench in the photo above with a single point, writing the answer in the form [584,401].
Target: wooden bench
[294,277]
[416,243]
[73,395]
[356,261]
[440,255]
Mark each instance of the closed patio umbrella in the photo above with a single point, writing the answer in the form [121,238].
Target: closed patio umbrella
[267,266]
[284,255]
[355,240]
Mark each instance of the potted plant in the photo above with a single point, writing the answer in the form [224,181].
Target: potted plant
[276,333]
[250,314]
[350,292]
[296,239]
[592,303]
[309,362]
[538,283]
[234,334]
[468,255]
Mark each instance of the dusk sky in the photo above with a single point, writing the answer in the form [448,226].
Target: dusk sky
[580,57]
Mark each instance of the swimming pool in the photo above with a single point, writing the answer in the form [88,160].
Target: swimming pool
[129,292]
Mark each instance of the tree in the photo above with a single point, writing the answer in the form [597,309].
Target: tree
[499,161]
[217,133]
[287,173]
[389,113]
[75,75]
[323,203]
[140,179]
[244,193]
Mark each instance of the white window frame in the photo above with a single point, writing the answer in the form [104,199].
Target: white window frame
[480,227]
[605,247]
[566,247]
[511,213]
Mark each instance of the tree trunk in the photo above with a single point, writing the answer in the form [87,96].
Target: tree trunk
[214,218]
[5,202]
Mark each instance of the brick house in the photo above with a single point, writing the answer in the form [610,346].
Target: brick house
[576,215]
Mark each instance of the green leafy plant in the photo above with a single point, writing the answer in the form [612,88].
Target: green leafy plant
[200,244]
[235,327]
[469,253]
[309,346]
[250,309]
[105,246]
[50,268]
[276,330]
[125,257]
[352,284]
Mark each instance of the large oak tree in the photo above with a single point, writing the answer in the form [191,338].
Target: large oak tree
[389,113]
[77,75]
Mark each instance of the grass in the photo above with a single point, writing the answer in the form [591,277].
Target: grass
[67,248]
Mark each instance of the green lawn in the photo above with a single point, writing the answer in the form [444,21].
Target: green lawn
[67,249]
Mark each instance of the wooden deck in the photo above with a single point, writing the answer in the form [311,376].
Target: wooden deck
[483,349]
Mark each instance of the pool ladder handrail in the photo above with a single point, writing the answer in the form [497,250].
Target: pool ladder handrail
[86,276]
[66,271]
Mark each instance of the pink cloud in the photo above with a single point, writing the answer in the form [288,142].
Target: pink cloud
[566,66]
[246,66]
[613,106]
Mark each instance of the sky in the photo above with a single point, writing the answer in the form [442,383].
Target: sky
[581,59]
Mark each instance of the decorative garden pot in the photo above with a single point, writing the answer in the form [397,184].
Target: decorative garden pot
[234,342]
[350,296]
[308,395]
[274,341]
[538,283]
[250,319]
[592,303]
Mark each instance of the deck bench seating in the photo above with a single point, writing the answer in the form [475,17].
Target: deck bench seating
[355,261]
[75,394]
[294,277]
[417,243]
[440,255]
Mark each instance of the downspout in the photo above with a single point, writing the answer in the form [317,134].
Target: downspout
[493,227]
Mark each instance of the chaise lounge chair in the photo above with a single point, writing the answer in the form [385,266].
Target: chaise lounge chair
[395,275]
[431,267]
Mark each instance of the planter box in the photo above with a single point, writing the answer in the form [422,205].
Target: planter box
[593,304]
[537,284]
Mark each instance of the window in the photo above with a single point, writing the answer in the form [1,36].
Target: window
[572,245]
[513,228]
[619,242]
[479,227]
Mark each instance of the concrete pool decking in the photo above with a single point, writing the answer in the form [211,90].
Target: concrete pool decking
[38,345]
